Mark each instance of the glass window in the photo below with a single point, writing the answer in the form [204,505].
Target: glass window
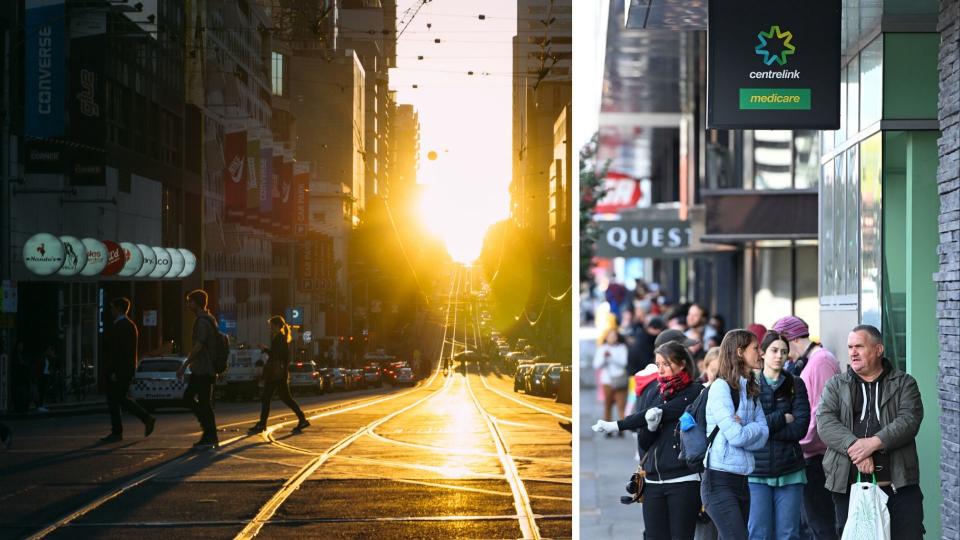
[851,277]
[773,290]
[827,283]
[772,159]
[839,226]
[806,304]
[870,229]
[840,135]
[853,97]
[871,83]
[806,159]
[277,73]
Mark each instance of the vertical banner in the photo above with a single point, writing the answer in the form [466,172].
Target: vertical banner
[45,68]
[252,213]
[87,106]
[266,187]
[301,186]
[306,254]
[276,212]
[286,196]
[235,164]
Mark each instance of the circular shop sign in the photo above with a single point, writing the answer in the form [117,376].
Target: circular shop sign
[163,262]
[43,254]
[189,262]
[149,261]
[134,258]
[176,263]
[115,259]
[74,256]
[96,257]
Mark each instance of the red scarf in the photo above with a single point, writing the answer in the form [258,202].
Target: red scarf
[669,386]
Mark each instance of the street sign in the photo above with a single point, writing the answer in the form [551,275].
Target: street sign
[635,238]
[294,316]
[307,336]
[773,65]
[150,317]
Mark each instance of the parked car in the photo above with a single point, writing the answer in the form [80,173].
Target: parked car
[552,380]
[155,383]
[358,378]
[519,378]
[405,377]
[340,380]
[327,374]
[373,376]
[305,376]
[244,370]
[534,378]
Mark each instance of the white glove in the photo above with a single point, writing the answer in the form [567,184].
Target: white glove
[653,417]
[602,426]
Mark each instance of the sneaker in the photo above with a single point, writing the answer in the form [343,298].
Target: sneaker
[257,428]
[112,438]
[148,426]
[205,444]
[301,425]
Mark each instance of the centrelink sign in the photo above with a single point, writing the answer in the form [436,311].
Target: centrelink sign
[773,64]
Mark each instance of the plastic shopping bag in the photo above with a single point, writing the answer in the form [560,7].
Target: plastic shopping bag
[867,516]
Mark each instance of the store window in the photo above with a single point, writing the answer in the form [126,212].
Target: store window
[871,191]
[785,159]
[839,230]
[871,83]
[785,282]
[277,73]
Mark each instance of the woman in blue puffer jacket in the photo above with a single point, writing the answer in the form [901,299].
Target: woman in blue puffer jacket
[741,430]
[776,485]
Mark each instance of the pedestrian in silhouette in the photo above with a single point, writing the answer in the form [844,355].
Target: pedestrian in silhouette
[120,361]
[276,377]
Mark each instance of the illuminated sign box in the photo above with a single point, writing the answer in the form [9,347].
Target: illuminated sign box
[773,64]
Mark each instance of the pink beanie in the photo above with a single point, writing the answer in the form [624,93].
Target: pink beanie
[791,327]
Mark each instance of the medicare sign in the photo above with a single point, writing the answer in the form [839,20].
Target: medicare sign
[773,64]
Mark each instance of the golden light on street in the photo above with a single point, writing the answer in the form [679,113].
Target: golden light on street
[459,215]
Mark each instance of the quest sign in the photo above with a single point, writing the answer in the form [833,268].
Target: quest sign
[642,238]
[45,254]
[773,64]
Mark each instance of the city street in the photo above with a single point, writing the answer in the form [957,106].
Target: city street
[458,455]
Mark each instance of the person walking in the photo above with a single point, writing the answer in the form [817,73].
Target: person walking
[276,378]
[869,417]
[671,499]
[611,360]
[776,484]
[817,520]
[121,348]
[199,392]
[45,368]
[741,430]
[20,373]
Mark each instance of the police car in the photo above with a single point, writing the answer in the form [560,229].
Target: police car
[156,385]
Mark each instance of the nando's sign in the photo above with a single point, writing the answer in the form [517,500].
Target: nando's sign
[45,254]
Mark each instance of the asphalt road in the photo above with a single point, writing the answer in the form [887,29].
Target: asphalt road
[458,456]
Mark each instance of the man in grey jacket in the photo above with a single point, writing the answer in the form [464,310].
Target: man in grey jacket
[869,418]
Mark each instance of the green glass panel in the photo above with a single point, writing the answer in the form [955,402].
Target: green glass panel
[910,77]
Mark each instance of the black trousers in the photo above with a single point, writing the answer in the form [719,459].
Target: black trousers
[117,399]
[817,515]
[906,512]
[727,499]
[670,510]
[199,398]
[281,386]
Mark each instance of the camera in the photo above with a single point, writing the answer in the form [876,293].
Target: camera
[634,488]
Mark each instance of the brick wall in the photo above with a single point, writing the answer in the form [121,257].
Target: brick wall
[948,278]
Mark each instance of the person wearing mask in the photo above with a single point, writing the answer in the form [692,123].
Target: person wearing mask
[741,430]
[199,392]
[671,500]
[869,417]
[817,519]
[776,485]
[611,360]
[276,378]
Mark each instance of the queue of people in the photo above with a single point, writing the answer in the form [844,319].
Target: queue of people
[789,432]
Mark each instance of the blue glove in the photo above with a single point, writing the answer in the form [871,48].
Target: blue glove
[687,422]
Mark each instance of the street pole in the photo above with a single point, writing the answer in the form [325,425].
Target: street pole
[5,201]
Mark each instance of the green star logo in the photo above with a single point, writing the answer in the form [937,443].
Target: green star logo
[784,38]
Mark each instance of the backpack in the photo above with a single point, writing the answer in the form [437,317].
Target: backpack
[694,442]
[221,348]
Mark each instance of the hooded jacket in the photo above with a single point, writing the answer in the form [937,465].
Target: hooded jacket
[901,412]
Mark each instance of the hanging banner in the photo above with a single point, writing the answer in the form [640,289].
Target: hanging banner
[234,188]
[87,110]
[286,196]
[266,187]
[773,65]
[45,68]
[252,213]
[301,186]
[276,190]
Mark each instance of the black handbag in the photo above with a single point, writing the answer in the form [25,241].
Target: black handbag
[637,484]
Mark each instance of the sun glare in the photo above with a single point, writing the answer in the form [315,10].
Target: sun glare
[459,215]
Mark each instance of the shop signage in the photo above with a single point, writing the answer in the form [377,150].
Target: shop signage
[621,192]
[149,261]
[301,187]
[74,256]
[45,68]
[96,257]
[43,254]
[642,238]
[176,263]
[115,259]
[189,262]
[773,65]
[163,263]
[295,316]
[133,257]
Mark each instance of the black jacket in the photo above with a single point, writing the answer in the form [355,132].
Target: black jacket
[279,359]
[120,349]
[782,454]
[662,446]
[640,354]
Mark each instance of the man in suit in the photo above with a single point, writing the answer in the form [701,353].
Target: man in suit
[120,346]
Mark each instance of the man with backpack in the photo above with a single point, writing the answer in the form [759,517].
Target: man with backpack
[202,360]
